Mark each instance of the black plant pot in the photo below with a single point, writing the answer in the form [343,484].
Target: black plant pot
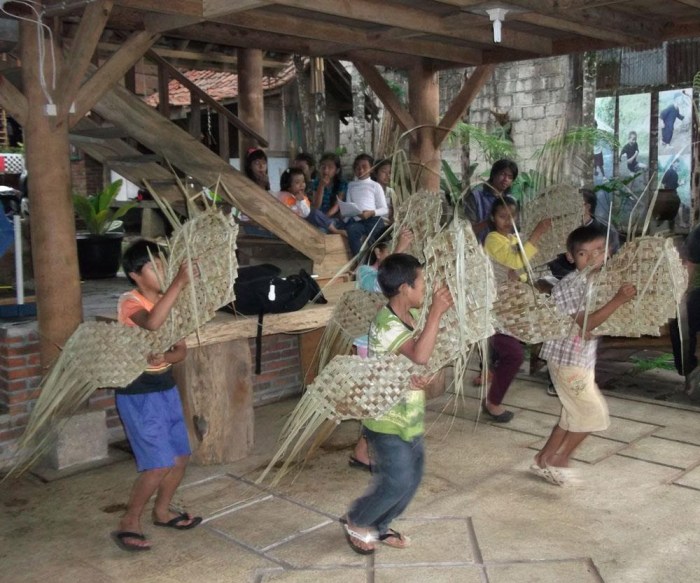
[99,255]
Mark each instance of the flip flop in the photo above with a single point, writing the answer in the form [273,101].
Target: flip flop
[548,474]
[175,522]
[353,462]
[351,536]
[118,537]
[395,539]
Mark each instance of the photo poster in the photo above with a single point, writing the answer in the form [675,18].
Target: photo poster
[675,141]
[633,135]
[603,152]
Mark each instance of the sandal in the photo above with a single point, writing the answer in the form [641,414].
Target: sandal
[394,539]
[353,462]
[351,536]
[551,475]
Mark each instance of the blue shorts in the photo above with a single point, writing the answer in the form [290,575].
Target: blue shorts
[155,428]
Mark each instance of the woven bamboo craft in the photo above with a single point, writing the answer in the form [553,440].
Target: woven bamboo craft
[654,267]
[455,258]
[100,354]
[528,315]
[421,213]
[351,318]
[563,204]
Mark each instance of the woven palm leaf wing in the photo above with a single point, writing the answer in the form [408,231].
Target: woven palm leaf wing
[100,354]
[455,258]
[421,213]
[528,315]
[562,203]
[351,318]
[654,267]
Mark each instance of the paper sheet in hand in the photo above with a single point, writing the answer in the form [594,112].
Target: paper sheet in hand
[348,209]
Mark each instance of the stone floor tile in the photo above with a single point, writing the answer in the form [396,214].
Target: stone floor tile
[593,450]
[663,451]
[433,574]
[577,571]
[314,575]
[627,430]
[269,521]
[691,479]
[210,497]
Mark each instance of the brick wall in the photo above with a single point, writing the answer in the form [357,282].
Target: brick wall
[20,375]
[280,374]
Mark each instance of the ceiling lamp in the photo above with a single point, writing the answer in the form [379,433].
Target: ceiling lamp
[497,15]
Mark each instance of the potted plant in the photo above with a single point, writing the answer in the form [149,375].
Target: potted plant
[99,249]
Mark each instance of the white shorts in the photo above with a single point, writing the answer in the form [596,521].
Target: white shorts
[584,409]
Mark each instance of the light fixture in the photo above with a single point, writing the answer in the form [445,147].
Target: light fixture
[497,15]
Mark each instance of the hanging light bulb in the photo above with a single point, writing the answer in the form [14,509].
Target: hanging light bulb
[497,15]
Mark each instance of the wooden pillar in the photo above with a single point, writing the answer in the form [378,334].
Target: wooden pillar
[424,106]
[54,250]
[250,96]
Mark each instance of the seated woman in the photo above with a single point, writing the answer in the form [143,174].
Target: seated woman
[292,195]
[328,187]
[255,168]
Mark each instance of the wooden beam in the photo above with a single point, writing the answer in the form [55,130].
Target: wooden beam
[691,3]
[386,95]
[206,98]
[112,71]
[165,23]
[462,101]
[13,101]
[92,24]
[177,7]
[577,28]
[212,9]
[355,37]
[251,108]
[424,102]
[414,19]
[192,157]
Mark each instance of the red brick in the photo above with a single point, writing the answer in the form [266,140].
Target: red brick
[21,350]
[17,408]
[13,361]
[21,373]
[20,397]
[10,434]
[34,359]
[14,385]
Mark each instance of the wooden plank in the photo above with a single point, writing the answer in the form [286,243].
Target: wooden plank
[225,327]
[691,3]
[309,354]
[206,98]
[215,8]
[82,48]
[110,72]
[336,258]
[386,95]
[217,393]
[186,153]
[163,91]
[177,7]
[462,101]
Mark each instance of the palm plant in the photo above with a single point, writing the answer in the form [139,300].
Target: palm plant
[96,211]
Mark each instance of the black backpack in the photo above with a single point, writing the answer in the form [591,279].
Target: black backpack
[260,290]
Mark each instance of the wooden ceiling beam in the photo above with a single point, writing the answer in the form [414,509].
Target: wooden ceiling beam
[479,77]
[111,72]
[421,21]
[13,101]
[90,28]
[691,3]
[212,9]
[177,7]
[358,38]
[386,95]
[601,23]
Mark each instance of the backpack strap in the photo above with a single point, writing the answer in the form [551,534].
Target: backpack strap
[258,344]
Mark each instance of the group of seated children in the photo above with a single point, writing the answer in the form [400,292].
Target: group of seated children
[357,210]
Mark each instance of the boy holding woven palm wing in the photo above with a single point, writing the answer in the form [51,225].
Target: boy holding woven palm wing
[150,406]
[396,438]
[571,360]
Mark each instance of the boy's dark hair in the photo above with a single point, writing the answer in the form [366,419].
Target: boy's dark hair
[590,198]
[361,157]
[137,255]
[582,235]
[395,270]
[506,200]
[501,165]
[287,175]
[305,157]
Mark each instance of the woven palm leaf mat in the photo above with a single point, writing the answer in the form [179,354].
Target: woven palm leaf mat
[563,204]
[421,214]
[654,267]
[101,354]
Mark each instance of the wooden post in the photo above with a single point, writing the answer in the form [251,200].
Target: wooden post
[54,251]
[424,106]
[250,96]
[217,397]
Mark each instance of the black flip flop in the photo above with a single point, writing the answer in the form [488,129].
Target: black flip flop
[353,462]
[175,522]
[118,537]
